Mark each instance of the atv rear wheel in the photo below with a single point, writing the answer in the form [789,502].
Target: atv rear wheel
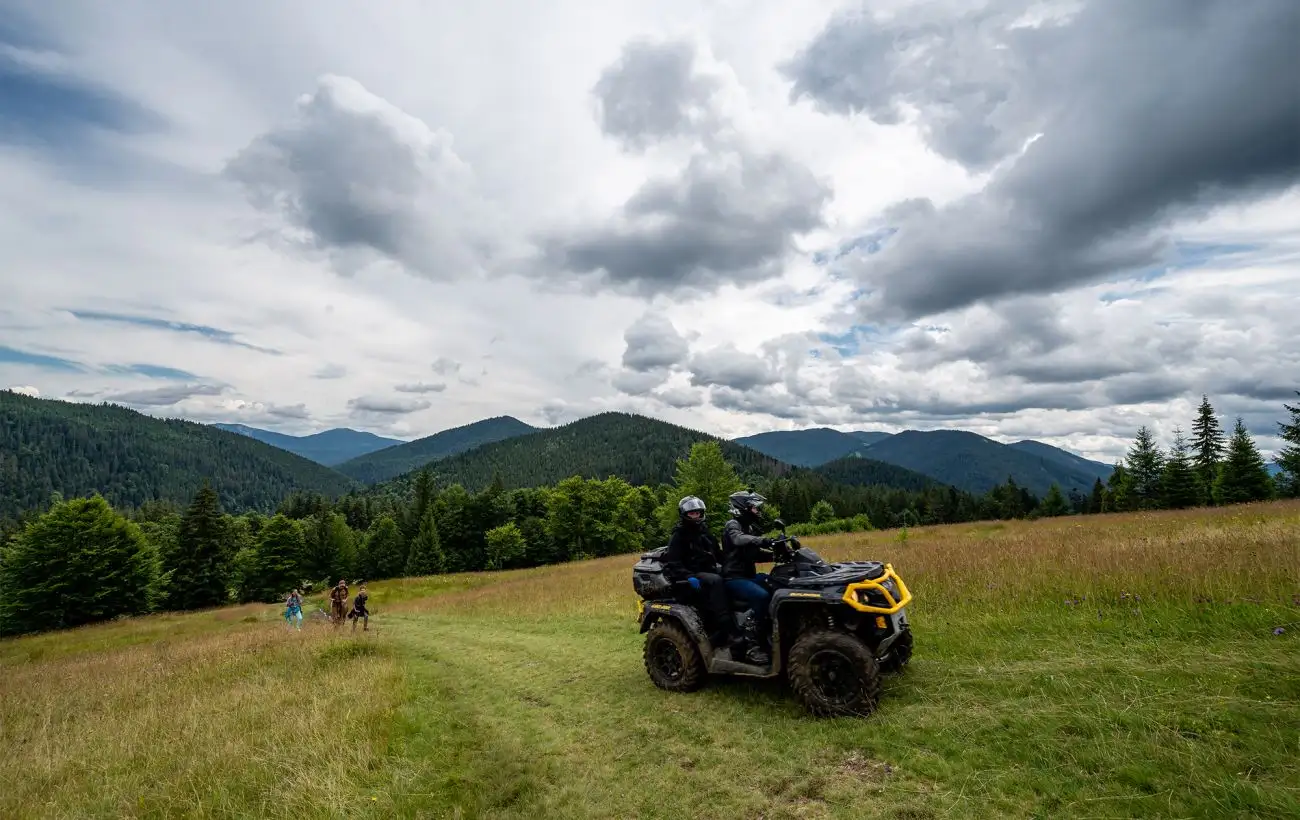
[834,674]
[899,654]
[672,659]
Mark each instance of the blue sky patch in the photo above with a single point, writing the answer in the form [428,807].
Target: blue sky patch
[849,343]
[215,334]
[867,243]
[11,355]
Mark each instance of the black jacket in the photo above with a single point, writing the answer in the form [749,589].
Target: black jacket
[690,551]
[742,550]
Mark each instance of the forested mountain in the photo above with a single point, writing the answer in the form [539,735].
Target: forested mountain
[1086,466]
[803,448]
[966,460]
[49,446]
[860,471]
[638,449]
[328,447]
[402,458]
[972,462]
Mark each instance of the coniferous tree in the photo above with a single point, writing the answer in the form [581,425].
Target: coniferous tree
[78,563]
[1118,492]
[1053,503]
[706,475]
[1145,464]
[1097,500]
[1179,483]
[1242,476]
[1207,448]
[384,552]
[426,556]
[199,562]
[1288,458]
[277,566]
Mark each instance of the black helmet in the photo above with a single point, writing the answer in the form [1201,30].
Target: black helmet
[747,505]
[687,509]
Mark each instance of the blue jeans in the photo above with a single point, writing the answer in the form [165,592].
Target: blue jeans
[753,594]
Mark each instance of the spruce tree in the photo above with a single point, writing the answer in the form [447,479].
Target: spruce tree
[277,566]
[1145,465]
[1242,476]
[1288,458]
[1097,501]
[1179,482]
[426,556]
[199,560]
[1118,489]
[1053,503]
[1207,448]
[384,554]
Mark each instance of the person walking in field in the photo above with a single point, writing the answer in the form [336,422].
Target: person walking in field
[339,602]
[359,611]
[293,609]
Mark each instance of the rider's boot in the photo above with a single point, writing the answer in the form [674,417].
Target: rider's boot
[754,652]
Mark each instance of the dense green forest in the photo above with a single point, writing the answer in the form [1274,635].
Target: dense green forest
[49,446]
[391,462]
[638,449]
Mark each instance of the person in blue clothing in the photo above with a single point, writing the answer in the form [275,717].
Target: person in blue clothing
[743,546]
[693,557]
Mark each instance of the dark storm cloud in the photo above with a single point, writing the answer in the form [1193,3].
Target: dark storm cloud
[653,92]
[766,401]
[653,342]
[1147,112]
[729,216]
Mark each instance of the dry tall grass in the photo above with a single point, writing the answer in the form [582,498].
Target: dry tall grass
[212,725]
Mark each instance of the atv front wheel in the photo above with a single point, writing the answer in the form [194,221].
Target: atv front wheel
[672,659]
[834,674]
[899,654]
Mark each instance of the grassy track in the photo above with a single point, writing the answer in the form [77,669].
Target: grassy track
[1117,666]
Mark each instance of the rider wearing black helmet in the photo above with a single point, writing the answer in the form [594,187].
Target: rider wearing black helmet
[693,557]
[743,546]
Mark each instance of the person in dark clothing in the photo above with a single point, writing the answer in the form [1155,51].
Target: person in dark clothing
[692,558]
[359,611]
[743,547]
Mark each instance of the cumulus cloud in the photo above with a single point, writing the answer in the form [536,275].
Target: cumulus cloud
[1105,124]
[653,342]
[26,390]
[444,366]
[727,366]
[357,178]
[655,92]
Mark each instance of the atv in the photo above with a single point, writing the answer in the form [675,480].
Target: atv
[835,628]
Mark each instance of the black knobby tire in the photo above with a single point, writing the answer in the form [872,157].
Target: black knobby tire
[834,674]
[672,659]
[899,654]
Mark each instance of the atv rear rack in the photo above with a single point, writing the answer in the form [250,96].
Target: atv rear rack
[896,603]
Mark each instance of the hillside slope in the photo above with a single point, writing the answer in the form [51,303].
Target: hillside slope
[803,448]
[859,471]
[49,446]
[639,449]
[1067,459]
[974,463]
[328,447]
[412,455]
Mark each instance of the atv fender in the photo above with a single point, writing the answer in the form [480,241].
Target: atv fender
[655,611]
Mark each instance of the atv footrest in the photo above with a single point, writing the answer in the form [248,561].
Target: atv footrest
[723,663]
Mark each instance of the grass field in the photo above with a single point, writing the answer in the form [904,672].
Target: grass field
[1113,666]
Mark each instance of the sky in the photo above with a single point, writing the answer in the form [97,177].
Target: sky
[1057,220]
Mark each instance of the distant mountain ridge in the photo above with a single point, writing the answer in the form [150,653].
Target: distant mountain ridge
[75,448]
[328,447]
[964,459]
[391,462]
